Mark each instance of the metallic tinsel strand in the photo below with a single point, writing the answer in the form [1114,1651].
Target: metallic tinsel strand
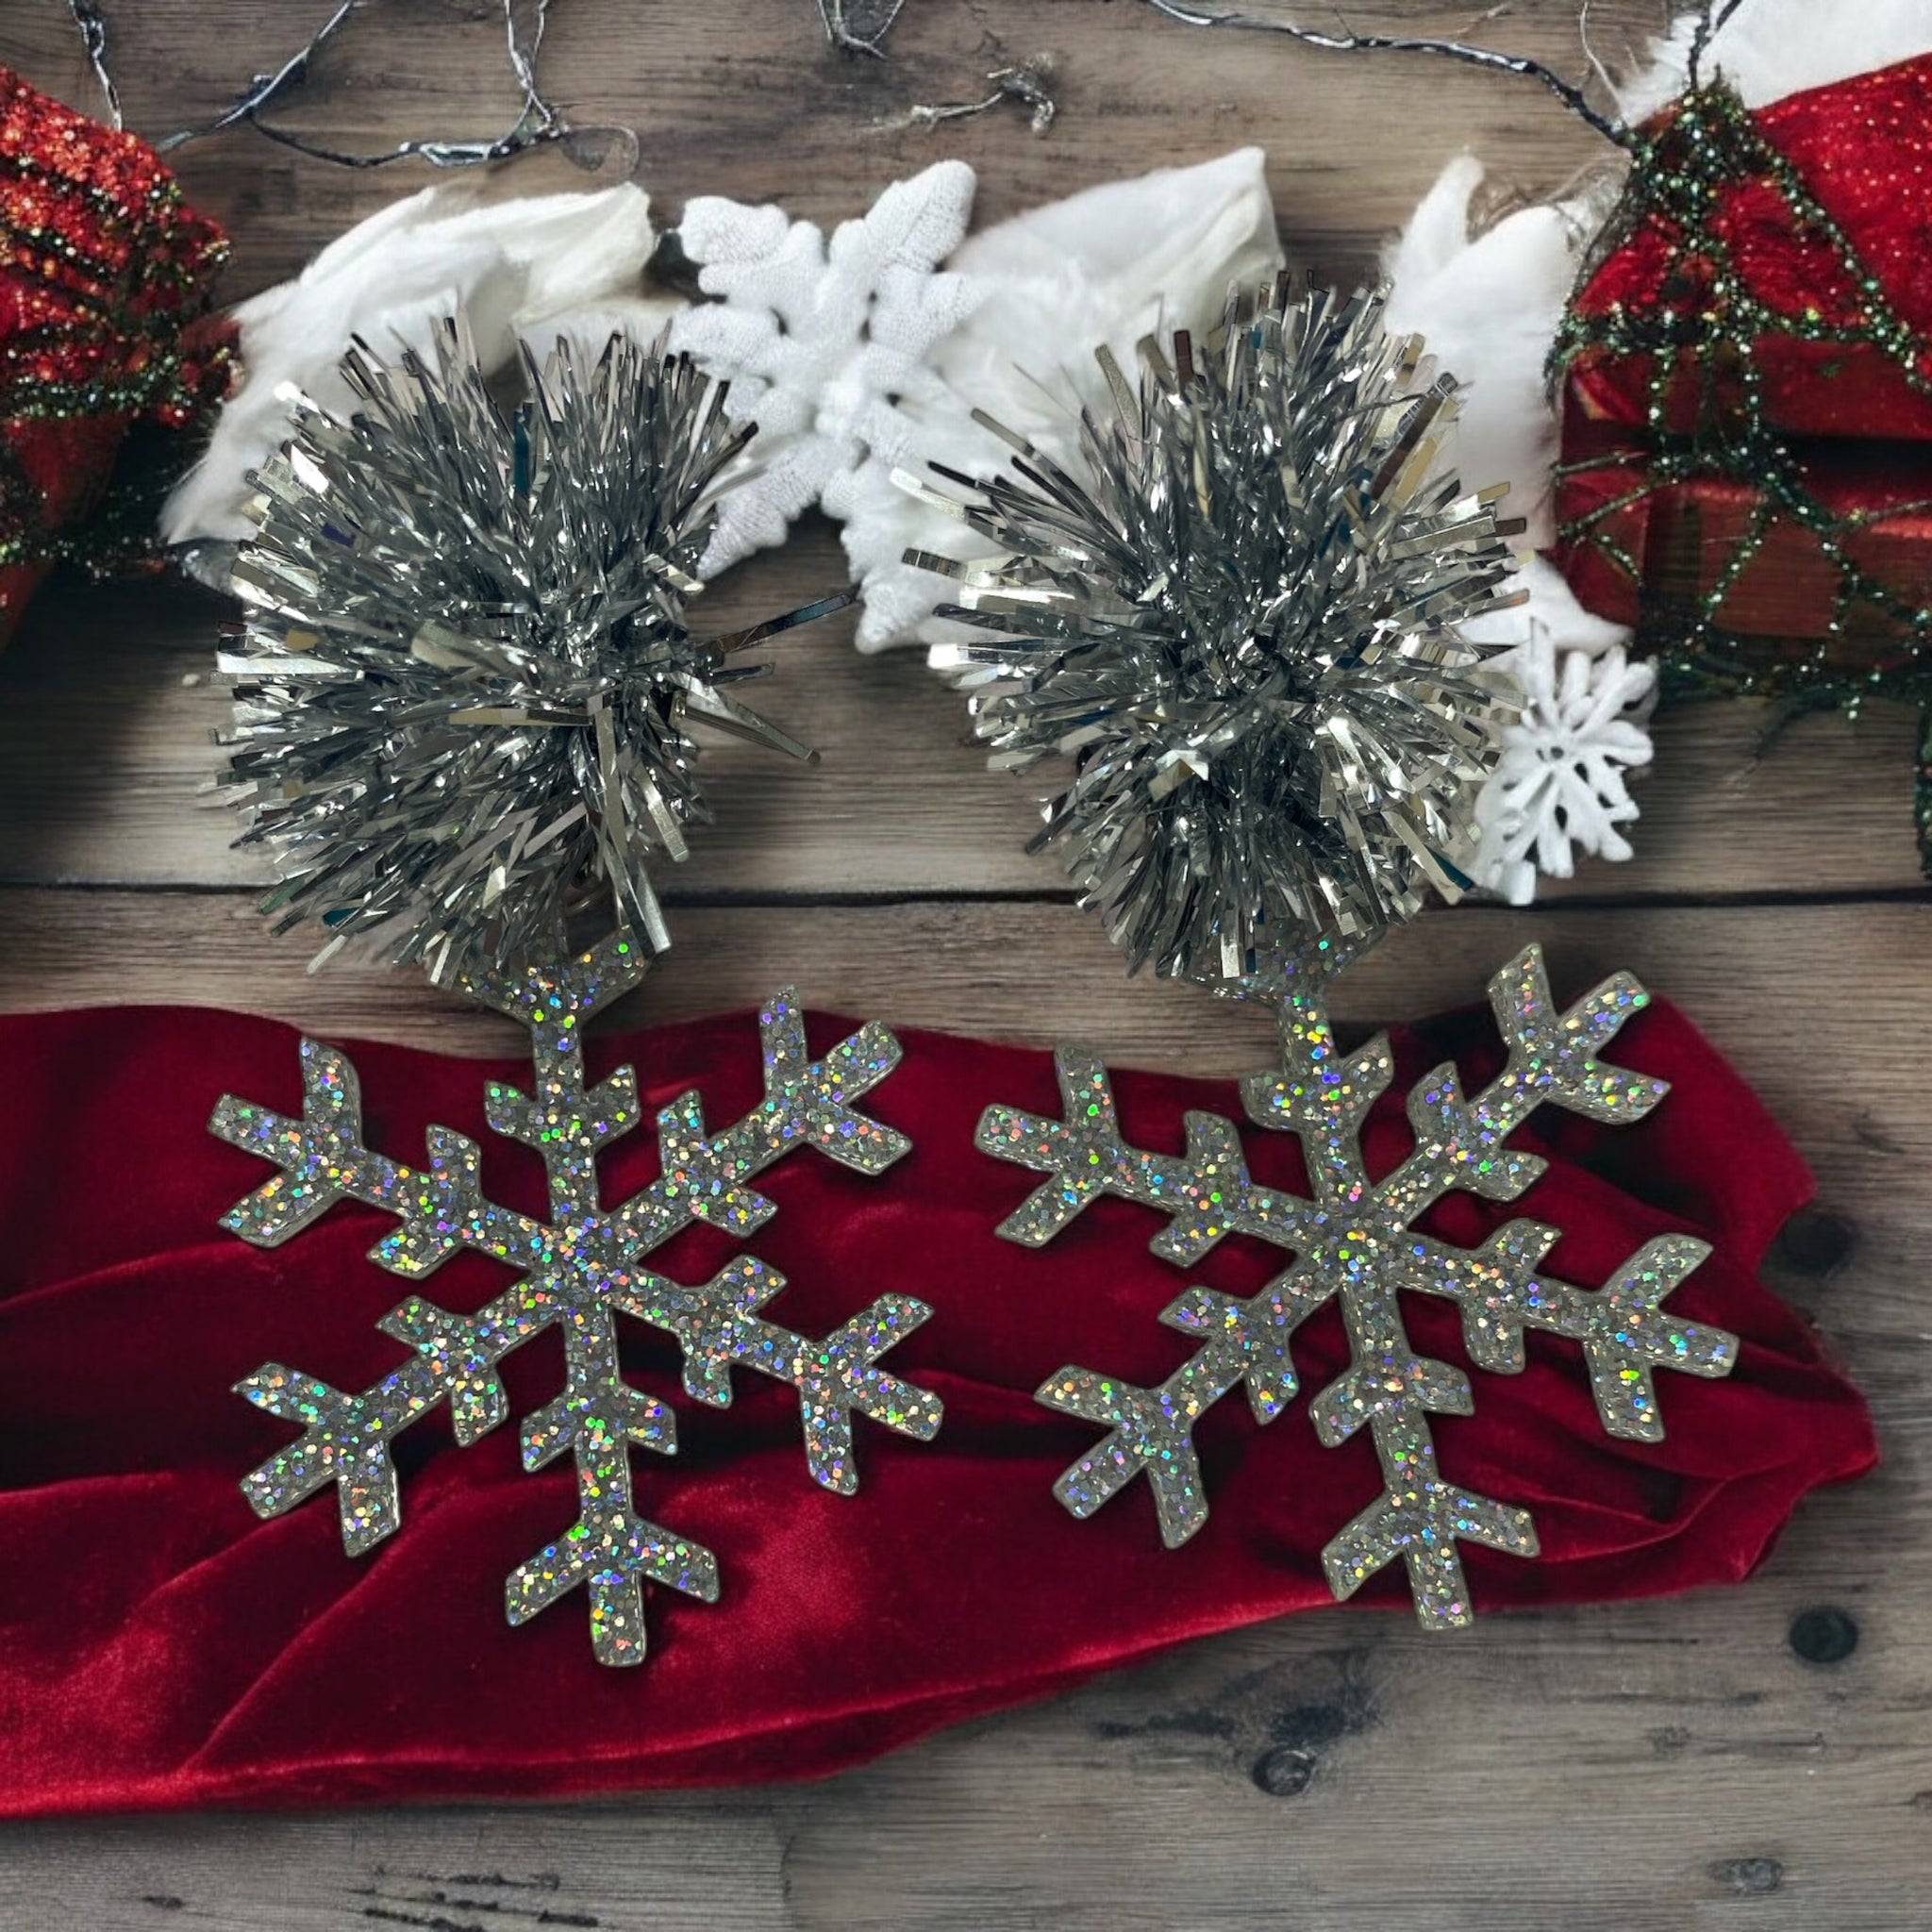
[1239,622]
[464,677]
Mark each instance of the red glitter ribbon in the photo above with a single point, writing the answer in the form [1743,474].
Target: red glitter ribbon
[105,275]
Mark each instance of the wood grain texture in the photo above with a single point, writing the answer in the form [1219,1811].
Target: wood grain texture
[742,97]
[106,711]
[1663,1765]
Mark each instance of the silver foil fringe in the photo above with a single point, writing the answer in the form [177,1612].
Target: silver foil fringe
[1239,621]
[463,682]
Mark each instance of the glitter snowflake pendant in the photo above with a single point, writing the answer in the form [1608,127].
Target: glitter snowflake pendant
[578,1271]
[1354,1241]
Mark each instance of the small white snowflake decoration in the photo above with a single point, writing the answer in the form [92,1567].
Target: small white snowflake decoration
[821,341]
[577,1271]
[1559,786]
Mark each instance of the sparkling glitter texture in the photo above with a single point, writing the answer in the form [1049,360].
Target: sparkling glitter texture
[108,351]
[1238,621]
[463,685]
[577,1271]
[1354,1241]
[1705,192]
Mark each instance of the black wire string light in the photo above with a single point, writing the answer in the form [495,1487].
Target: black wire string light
[540,121]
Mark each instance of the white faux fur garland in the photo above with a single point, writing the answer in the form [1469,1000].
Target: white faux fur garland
[537,267]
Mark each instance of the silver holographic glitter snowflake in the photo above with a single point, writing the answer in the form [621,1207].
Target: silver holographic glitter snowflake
[578,1272]
[1354,1241]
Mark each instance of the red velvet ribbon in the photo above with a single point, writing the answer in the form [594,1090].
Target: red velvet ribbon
[160,1647]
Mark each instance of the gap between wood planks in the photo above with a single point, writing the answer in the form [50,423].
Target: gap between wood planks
[753,899]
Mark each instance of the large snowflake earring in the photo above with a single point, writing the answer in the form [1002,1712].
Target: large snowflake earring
[1239,620]
[462,692]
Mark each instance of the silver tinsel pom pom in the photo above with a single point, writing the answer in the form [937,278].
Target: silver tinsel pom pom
[464,677]
[1239,622]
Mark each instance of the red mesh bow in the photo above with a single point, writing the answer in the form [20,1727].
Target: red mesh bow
[1747,404]
[105,275]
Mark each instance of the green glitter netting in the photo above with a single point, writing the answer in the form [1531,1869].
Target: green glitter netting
[1873,642]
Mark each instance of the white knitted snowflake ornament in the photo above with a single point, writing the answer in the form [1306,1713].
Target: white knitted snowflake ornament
[1559,787]
[821,341]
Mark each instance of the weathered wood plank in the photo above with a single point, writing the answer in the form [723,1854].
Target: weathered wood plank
[744,97]
[104,745]
[714,1862]
[1035,972]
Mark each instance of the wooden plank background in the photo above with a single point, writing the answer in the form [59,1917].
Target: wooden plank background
[1663,1765]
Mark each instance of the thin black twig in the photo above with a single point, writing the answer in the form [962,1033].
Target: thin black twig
[1711,22]
[840,33]
[92,23]
[1567,92]
[1029,82]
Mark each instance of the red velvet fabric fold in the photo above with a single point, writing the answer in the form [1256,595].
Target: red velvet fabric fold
[160,1648]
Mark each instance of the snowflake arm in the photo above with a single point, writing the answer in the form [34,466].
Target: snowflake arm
[718,1327]
[611,1550]
[1353,1242]
[322,1160]
[1206,1194]
[579,1270]
[1622,1327]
